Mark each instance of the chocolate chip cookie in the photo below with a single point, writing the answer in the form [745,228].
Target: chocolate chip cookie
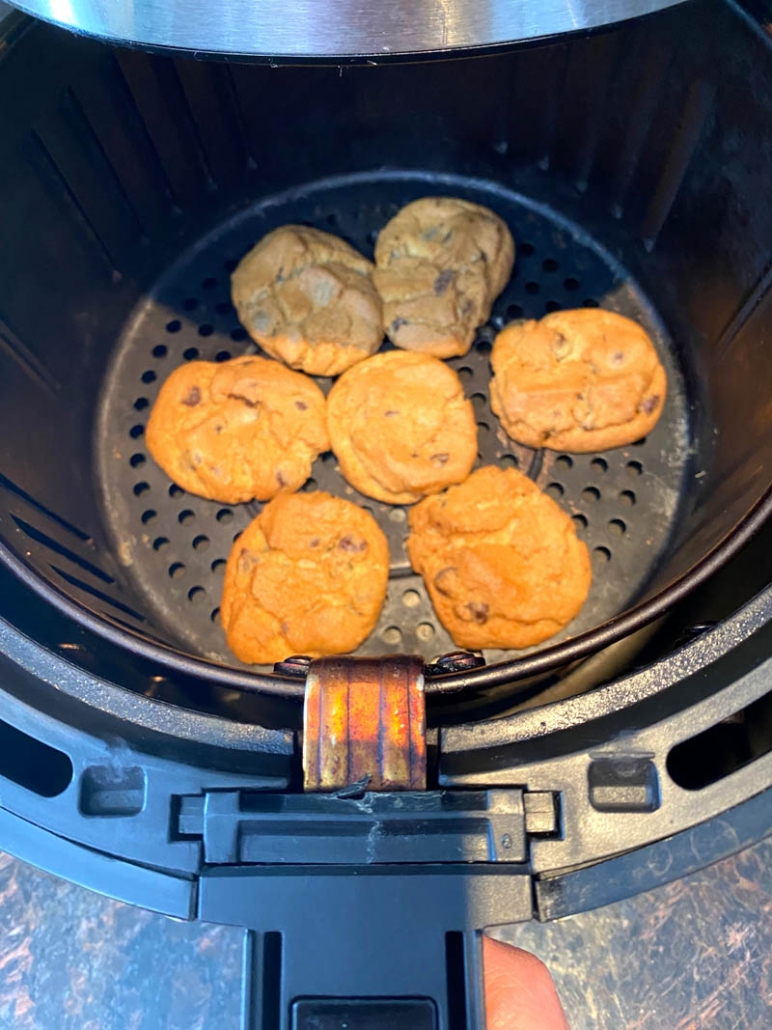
[440,264]
[500,559]
[307,576]
[401,427]
[585,380]
[243,429]
[308,298]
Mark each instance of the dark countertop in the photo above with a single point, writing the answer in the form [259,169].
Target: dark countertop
[694,954]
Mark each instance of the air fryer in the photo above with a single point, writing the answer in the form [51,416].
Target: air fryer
[632,167]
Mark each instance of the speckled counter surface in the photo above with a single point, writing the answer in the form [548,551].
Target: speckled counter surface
[694,954]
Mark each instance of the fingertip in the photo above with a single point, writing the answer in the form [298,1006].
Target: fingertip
[519,991]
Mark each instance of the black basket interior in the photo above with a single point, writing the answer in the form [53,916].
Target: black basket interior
[632,167]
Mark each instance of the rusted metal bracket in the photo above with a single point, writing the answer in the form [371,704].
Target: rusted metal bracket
[365,724]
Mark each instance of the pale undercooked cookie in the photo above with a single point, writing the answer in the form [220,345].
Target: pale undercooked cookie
[308,298]
[500,559]
[401,427]
[440,264]
[584,380]
[307,576]
[238,430]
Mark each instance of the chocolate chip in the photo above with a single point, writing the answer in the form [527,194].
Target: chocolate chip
[440,459]
[193,398]
[617,358]
[397,324]
[244,400]
[443,281]
[280,479]
[649,404]
[301,405]
[445,578]
[348,543]
[390,414]
[478,610]
[314,543]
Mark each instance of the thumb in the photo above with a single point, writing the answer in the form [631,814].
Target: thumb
[519,992]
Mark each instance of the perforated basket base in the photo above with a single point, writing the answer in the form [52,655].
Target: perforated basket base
[625,502]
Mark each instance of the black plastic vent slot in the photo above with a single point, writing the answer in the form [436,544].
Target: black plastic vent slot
[32,764]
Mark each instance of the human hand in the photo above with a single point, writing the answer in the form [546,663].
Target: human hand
[519,992]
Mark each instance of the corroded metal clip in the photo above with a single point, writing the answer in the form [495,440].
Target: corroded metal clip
[365,723]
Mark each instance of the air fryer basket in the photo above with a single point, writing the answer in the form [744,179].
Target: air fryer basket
[131,185]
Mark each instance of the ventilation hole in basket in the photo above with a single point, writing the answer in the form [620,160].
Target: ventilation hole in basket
[525,249]
[209,283]
[237,535]
[149,376]
[509,461]
[238,334]
[550,265]
[218,566]
[372,236]
[392,635]
[514,311]
[201,543]
[174,326]
[411,598]
[205,329]
[136,460]
[225,516]
[552,305]
[580,521]
[190,354]
[160,351]
[332,219]
[591,493]
[141,403]
[214,615]
[197,595]
[634,468]
[148,516]
[224,307]
[176,491]
[617,527]
[222,355]
[599,464]
[141,488]
[564,463]
[310,485]
[532,288]
[555,491]
[230,266]
[484,346]
[479,400]
[328,458]
[627,497]
[190,304]
[602,554]
[465,372]
[571,284]
[640,443]
[397,515]
[177,570]
[483,427]
[487,332]
[186,517]
[160,543]
[589,302]
[136,431]
[425,631]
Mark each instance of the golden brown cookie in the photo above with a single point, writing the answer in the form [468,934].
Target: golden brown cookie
[308,298]
[238,430]
[440,264]
[307,576]
[401,427]
[500,559]
[584,380]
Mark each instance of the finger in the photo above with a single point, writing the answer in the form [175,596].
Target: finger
[519,992]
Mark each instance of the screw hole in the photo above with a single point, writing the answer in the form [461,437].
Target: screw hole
[148,516]
[160,543]
[599,464]
[555,491]
[205,329]
[160,351]
[190,354]
[136,460]
[197,595]
[591,493]
[174,326]
[627,497]
[602,554]
[177,570]
[225,516]
[201,543]
[617,527]
[186,517]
